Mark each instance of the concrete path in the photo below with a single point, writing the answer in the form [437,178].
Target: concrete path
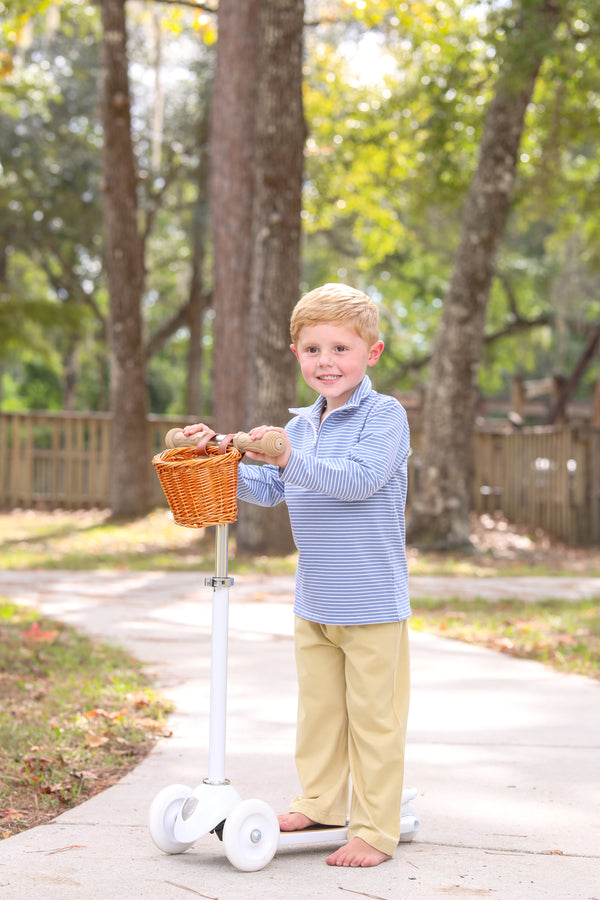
[505,754]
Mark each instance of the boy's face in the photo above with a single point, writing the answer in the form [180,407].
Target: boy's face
[333,360]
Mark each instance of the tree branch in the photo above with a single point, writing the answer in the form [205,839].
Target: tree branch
[419,362]
[204,7]
[573,380]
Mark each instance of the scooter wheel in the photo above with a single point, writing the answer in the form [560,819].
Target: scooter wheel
[251,835]
[161,819]
[409,813]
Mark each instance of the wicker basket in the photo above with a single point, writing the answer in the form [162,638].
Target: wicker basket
[201,490]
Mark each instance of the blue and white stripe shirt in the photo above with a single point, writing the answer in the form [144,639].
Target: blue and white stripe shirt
[345,487]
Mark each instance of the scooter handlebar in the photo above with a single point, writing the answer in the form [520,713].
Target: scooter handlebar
[271,443]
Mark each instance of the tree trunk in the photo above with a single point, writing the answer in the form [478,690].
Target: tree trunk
[232,188]
[280,134]
[197,308]
[441,503]
[69,379]
[199,297]
[130,469]
[595,413]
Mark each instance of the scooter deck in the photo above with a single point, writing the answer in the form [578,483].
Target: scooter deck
[331,834]
[314,834]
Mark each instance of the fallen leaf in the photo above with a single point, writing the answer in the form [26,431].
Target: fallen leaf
[84,775]
[37,635]
[40,761]
[105,714]
[54,789]
[95,740]
[10,814]
[505,645]
[139,699]
[153,725]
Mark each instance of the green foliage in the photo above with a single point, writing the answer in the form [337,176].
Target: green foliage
[389,160]
[395,99]
[52,294]
[390,156]
[49,185]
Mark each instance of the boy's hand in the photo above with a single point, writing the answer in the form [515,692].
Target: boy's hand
[205,434]
[283,458]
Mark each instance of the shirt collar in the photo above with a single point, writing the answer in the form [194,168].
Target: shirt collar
[314,411]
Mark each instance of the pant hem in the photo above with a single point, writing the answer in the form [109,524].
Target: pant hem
[318,815]
[380,842]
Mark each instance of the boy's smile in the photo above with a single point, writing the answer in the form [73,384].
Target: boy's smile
[333,359]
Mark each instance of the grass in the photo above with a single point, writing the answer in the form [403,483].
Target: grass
[88,540]
[75,716]
[559,633]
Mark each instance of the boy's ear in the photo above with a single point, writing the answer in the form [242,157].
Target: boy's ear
[375,352]
[294,350]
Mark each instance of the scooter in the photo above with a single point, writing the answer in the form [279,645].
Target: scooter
[180,815]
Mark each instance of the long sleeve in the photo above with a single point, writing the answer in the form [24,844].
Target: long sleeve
[260,484]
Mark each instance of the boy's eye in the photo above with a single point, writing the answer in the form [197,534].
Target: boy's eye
[340,349]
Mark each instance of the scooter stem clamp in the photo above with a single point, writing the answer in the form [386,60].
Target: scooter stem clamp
[217,582]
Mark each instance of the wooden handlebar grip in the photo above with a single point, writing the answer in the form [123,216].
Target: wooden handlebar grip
[271,444]
[175,438]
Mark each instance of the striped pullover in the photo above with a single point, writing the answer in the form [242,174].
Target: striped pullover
[345,487]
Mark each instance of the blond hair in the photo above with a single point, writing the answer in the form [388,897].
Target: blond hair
[337,304]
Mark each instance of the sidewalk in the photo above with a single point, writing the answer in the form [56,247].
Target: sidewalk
[505,754]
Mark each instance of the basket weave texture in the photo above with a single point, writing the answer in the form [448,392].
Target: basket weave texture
[201,490]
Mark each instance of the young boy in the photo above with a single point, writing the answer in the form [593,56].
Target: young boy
[343,475]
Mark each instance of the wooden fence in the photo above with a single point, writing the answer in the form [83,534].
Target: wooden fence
[542,477]
[53,460]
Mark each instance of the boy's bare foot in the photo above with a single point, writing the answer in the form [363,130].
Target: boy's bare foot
[294,821]
[357,853]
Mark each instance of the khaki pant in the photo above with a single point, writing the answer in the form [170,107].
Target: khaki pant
[354,686]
